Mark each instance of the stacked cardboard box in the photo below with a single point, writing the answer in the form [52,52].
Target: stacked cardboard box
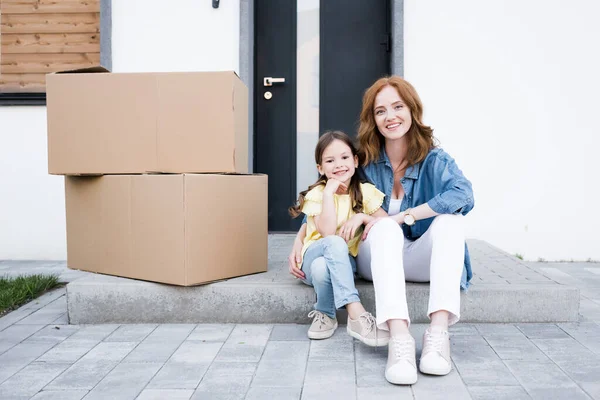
[157,184]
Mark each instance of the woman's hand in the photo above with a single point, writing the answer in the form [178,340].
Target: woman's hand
[348,230]
[333,186]
[370,225]
[294,259]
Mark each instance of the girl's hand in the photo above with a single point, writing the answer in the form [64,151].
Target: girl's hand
[294,259]
[370,225]
[348,230]
[334,186]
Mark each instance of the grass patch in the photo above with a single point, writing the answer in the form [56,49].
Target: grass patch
[15,292]
[519,256]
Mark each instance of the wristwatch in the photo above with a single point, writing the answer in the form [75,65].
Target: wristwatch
[409,219]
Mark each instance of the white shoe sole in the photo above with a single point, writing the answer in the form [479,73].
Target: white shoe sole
[324,334]
[380,342]
[403,380]
[435,371]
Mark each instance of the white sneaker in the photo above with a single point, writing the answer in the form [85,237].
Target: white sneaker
[401,366]
[365,329]
[322,326]
[435,358]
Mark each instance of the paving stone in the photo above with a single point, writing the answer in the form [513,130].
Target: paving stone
[179,375]
[542,331]
[498,393]
[498,330]
[481,365]
[516,348]
[62,320]
[14,317]
[93,332]
[447,387]
[324,373]
[161,343]
[47,314]
[31,379]
[52,333]
[211,332]
[68,351]
[282,364]
[545,381]
[196,352]
[586,333]
[126,381]
[275,393]
[290,332]
[19,356]
[331,350]
[110,351]
[388,392]
[328,392]
[131,333]
[163,394]
[226,380]
[17,333]
[83,375]
[370,365]
[245,344]
[463,329]
[60,395]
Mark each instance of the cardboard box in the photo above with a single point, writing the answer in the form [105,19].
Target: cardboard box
[112,123]
[178,229]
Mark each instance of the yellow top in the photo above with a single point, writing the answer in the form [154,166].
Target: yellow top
[313,204]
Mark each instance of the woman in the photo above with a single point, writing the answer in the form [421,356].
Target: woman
[423,238]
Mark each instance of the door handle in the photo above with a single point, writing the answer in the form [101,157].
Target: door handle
[269,81]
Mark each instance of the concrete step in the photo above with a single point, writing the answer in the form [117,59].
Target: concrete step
[504,289]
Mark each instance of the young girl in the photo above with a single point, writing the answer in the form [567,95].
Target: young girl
[337,206]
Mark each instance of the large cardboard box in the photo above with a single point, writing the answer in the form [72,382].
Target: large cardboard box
[112,123]
[179,229]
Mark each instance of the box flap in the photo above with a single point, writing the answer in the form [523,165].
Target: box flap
[87,70]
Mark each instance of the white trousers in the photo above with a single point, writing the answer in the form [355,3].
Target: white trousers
[389,260]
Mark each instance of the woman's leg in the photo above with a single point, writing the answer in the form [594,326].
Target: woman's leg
[380,259]
[438,256]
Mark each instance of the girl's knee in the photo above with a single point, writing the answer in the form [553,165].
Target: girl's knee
[336,242]
[319,271]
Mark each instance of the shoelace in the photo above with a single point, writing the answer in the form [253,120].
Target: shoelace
[402,348]
[368,320]
[435,342]
[318,315]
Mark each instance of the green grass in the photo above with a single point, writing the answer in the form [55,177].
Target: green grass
[519,256]
[15,292]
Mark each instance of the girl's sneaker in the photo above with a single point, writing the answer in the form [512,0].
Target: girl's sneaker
[365,329]
[322,326]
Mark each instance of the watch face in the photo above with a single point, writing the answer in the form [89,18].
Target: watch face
[409,220]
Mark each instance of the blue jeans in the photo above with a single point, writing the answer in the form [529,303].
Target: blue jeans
[329,268]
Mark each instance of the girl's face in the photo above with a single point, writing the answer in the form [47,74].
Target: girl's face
[392,116]
[338,162]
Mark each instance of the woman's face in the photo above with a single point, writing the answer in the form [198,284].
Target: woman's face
[392,116]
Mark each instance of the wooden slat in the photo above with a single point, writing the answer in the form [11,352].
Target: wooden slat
[45,63]
[48,6]
[51,43]
[50,23]
[24,83]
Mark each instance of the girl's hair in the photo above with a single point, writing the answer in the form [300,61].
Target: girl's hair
[420,137]
[354,189]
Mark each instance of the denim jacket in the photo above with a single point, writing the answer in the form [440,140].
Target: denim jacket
[437,181]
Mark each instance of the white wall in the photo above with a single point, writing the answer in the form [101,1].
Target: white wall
[148,35]
[180,35]
[32,205]
[511,89]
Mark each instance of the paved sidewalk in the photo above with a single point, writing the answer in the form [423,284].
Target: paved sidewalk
[42,357]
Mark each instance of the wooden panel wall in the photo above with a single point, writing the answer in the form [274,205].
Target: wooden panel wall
[42,36]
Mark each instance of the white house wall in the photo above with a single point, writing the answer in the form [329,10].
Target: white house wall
[511,89]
